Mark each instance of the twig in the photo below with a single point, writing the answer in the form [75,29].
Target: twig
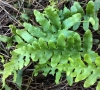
[10,16]
[4,3]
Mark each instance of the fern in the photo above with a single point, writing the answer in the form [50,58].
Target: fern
[55,46]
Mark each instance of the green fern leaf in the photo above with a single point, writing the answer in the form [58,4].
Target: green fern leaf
[60,67]
[73,20]
[98,86]
[87,41]
[19,78]
[34,31]
[20,62]
[66,13]
[61,41]
[23,34]
[8,69]
[90,8]
[86,23]
[58,76]
[79,8]
[51,45]
[91,79]
[76,26]
[70,80]
[96,5]
[97,61]
[77,42]
[70,43]
[92,21]
[55,59]
[53,17]
[46,70]
[96,26]
[27,60]
[83,75]
[42,20]
[4,38]
[87,59]
[73,10]
[54,48]
[18,39]
[46,56]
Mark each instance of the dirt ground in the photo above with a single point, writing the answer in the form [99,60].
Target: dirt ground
[10,11]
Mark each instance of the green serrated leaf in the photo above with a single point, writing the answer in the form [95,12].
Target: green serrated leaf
[77,42]
[4,38]
[54,18]
[97,61]
[21,62]
[60,67]
[55,59]
[74,55]
[70,80]
[61,41]
[76,26]
[25,35]
[68,23]
[46,70]
[64,58]
[70,43]
[87,59]
[66,33]
[91,80]
[76,72]
[58,76]
[96,26]
[35,45]
[90,8]
[45,57]
[27,59]
[92,21]
[51,44]
[93,55]
[79,8]
[33,30]
[54,47]
[66,13]
[98,86]
[19,50]
[42,20]
[38,55]
[73,10]
[42,43]
[18,39]
[52,72]
[96,5]
[83,75]
[19,78]
[87,41]
[80,62]
[8,69]
[86,23]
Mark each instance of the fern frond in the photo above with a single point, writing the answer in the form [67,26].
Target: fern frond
[55,46]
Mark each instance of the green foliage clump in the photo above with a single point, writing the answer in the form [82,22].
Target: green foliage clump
[55,46]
